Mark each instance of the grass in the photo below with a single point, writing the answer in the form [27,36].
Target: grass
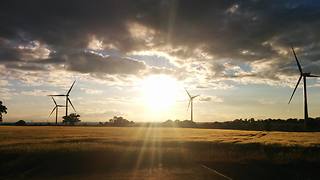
[92,152]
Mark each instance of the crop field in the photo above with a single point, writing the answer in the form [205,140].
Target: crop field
[154,153]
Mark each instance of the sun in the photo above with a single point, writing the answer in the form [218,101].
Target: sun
[160,92]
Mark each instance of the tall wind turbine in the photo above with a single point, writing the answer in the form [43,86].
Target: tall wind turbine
[56,108]
[67,98]
[191,103]
[303,75]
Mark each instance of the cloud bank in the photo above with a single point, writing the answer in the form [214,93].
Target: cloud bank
[207,41]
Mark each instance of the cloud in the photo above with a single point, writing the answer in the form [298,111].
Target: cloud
[37,92]
[26,66]
[211,98]
[266,101]
[91,91]
[6,93]
[3,82]
[201,39]
[232,9]
[92,63]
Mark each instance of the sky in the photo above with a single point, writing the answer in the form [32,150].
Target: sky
[135,58]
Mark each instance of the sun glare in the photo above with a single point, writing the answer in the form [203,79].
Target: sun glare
[160,92]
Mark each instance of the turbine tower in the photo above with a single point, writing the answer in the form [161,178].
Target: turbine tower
[67,98]
[56,108]
[303,75]
[191,103]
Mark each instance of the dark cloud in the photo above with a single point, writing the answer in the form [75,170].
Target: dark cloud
[91,63]
[26,66]
[7,53]
[240,31]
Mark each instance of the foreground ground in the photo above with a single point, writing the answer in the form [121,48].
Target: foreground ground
[156,153]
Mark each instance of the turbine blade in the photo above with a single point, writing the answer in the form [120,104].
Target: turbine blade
[71,88]
[189,105]
[187,92]
[295,89]
[312,75]
[72,105]
[299,66]
[53,110]
[57,95]
[54,101]
[195,96]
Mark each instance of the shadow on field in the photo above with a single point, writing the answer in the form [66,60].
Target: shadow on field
[265,170]
[238,161]
[59,164]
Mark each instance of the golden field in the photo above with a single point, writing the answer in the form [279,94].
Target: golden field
[29,136]
[70,152]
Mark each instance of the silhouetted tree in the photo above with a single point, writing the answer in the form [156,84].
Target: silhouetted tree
[178,123]
[71,119]
[120,121]
[168,123]
[3,109]
[265,125]
[20,123]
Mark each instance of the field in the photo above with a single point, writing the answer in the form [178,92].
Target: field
[156,153]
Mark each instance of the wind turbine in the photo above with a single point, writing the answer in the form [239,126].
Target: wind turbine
[56,108]
[67,98]
[191,103]
[303,75]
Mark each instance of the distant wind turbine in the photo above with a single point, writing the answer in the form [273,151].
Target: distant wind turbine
[67,98]
[191,103]
[303,75]
[56,108]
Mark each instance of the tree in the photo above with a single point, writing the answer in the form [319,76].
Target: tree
[120,121]
[71,119]
[3,109]
[20,123]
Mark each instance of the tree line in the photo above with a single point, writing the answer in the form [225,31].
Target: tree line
[291,124]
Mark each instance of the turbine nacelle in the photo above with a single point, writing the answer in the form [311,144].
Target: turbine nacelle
[309,75]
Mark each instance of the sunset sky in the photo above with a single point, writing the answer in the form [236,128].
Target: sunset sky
[134,58]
